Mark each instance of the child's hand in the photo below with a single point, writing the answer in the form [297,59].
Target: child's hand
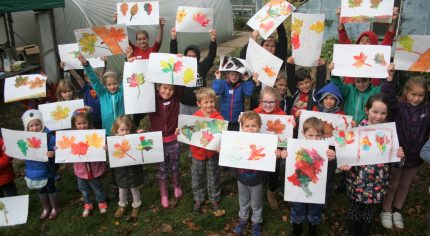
[173,33]
[331,154]
[213,35]
[129,53]
[62,64]
[321,62]
[103,58]
[3,148]
[217,74]
[293,122]
[354,123]
[290,60]
[218,149]
[139,131]
[105,147]
[254,35]
[162,22]
[278,153]
[400,153]
[255,79]
[88,109]
[115,17]
[331,66]
[284,154]
[338,12]
[345,168]
[391,69]
[298,113]
[82,59]
[395,13]
[176,131]
[50,154]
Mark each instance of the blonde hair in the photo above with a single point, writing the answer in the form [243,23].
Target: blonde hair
[124,119]
[81,113]
[204,92]
[415,81]
[250,115]
[315,124]
[270,91]
[62,86]
[281,76]
[110,74]
[142,32]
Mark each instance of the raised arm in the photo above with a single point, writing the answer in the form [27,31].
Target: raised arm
[91,74]
[388,88]
[391,32]
[291,77]
[321,74]
[281,45]
[173,42]
[208,62]
[218,84]
[343,36]
[160,31]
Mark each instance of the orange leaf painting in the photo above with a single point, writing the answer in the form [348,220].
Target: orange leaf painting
[201,19]
[121,149]
[94,140]
[124,8]
[34,142]
[276,126]
[80,148]
[269,71]
[317,27]
[256,153]
[180,16]
[66,142]
[36,83]
[360,61]
[111,37]
[267,26]
[133,11]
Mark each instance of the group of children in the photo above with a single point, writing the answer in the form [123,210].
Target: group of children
[367,186]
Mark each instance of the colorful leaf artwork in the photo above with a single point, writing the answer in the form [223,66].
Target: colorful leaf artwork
[296,29]
[188,76]
[206,138]
[121,150]
[4,210]
[276,126]
[147,7]
[94,140]
[354,3]
[317,27]
[124,8]
[135,80]
[66,142]
[21,81]
[308,165]
[407,42]
[381,141]
[31,142]
[379,59]
[201,19]
[365,143]
[360,61]
[110,36]
[32,84]
[60,113]
[267,26]
[171,66]
[413,53]
[328,129]
[200,132]
[133,11]
[375,3]
[79,149]
[36,83]
[269,71]
[256,153]
[88,42]
[345,138]
[145,145]
[180,15]
[22,145]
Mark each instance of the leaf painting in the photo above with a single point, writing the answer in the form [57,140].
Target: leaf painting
[355,3]
[133,11]
[345,137]
[381,141]
[201,18]
[121,150]
[267,26]
[136,80]
[25,144]
[80,146]
[147,7]
[21,81]
[256,152]
[359,11]
[172,69]
[69,55]
[269,71]
[180,15]
[413,53]
[172,66]
[138,13]
[124,8]
[13,210]
[365,143]
[379,59]
[317,27]
[37,82]
[4,210]
[276,126]
[60,113]
[375,3]
[88,42]
[407,42]
[296,29]
[360,61]
[280,125]
[66,142]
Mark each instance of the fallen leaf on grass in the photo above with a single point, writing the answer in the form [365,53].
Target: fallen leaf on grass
[285,218]
[219,213]
[190,224]
[147,221]
[116,222]
[166,228]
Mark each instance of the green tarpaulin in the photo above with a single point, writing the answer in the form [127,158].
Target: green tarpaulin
[25,5]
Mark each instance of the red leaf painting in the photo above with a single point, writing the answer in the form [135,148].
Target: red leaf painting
[80,148]
[33,142]
[201,19]
[360,61]
[256,153]
[178,66]
[295,41]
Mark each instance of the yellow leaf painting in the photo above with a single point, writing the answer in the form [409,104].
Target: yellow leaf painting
[317,27]
[188,76]
[60,113]
[180,15]
[296,27]
[94,140]
[88,42]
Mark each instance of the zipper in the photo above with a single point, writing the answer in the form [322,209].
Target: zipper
[356,105]
[113,106]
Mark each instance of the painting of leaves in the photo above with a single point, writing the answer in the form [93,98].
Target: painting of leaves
[135,149]
[80,146]
[296,29]
[135,80]
[138,13]
[360,60]
[102,40]
[344,138]
[413,53]
[25,145]
[201,18]
[254,151]
[13,210]
[360,11]
[281,125]
[354,3]
[58,115]
[306,171]
[69,55]
[194,19]
[201,132]
[22,87]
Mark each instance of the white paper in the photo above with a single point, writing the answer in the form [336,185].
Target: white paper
[254,151]
[367,145]
[13,210]
[412,53]
[139,94]
[168,68]
[268,18]
[69,55]
[25,145]
[332,123]
[305,181]
[80,146]
[366,61]
[58,115]
[281,125]
[144,13]
[22,87]
[101,41]
[263,62]
[307,38]
[366,10]
[135,149]
[194,19]
[201,131]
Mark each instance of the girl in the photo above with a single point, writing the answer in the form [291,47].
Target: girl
[127,177]
[7,175]
[40,175]
[281,85]
[89,174]
[269,104]
[412,117]
[65,91]
[110,93]
[367,184]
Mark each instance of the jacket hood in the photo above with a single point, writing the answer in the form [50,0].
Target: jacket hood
[372,36]
[329,89]
[195,49]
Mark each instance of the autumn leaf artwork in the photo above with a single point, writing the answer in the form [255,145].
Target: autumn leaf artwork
[102,40]
[318,27]
[124,8]
[256,152]
[201,19]
[360,61]
[269,71]
[205,130]
[28,143]
[354,3]
[147,7]
[37,82]
[173,66]
[135,81]
[296,29]
[379,59]
[180,15]
[413,53]
[60,113]
[375,3]
[344,138]
[80,148]
[360,11]
[4,210]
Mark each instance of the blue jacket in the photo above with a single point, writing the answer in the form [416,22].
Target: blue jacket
[36,170]
[111,104]
[92,100]
[232,99]
[328,89]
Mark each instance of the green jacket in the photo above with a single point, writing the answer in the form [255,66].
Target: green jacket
[354,100]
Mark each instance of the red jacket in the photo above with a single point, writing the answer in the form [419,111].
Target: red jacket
[144,54]
[6,169]
[201,153]
[277,111]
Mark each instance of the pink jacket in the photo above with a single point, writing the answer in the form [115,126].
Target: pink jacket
[89,170]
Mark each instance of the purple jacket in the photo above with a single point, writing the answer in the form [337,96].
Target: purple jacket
[412,123]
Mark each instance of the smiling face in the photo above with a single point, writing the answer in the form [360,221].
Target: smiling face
[233,76]
[166,91]
[123,129]
[362,84]
[312,134]
[305,85]
[112,84]
[34,126]
[268,102]
[415,96]
[377,113]
[281,86]
[250,126]
[329,102]
[270,45]
[81,122]
[142,41]
[207,105]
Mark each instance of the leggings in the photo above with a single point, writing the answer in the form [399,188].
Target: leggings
[400,180]
[135,192]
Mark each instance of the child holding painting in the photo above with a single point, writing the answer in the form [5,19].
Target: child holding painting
[250,183]
[313,129]
[7,175]
[205,162]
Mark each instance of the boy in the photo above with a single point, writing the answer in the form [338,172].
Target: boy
[205,160]
[313,129]
[250,183]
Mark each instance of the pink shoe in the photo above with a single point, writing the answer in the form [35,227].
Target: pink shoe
[163,193]
[176,186]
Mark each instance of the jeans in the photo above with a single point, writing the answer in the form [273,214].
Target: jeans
[85,186]
[300,212]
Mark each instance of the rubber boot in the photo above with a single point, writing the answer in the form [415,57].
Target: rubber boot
[163,193]
[176,186]
[297,229]
[272,198]
[53,200]
[46,206]
[312,231]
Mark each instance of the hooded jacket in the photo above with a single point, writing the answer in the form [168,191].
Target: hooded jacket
[328,89]
[203,67]
[36,170]
[111,104]
[6,170]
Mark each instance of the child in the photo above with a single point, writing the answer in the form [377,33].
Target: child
[205,160]
[269,100]
[40,175]
[7,176]
[127,177]
[367,184]
[65,91]
[355,95]
[250,183]
[165,119]
[412,117]
[89,174]
[188,101]
[233,91]
[281,84]
[313,129]
[110,93]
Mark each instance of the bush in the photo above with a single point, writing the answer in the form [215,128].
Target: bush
[239,23]
[327,50]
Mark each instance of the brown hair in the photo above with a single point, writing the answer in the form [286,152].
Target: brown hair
[110,74]
[315,124]
[142,32]
[270,91]
[62,86]
[415,81]
[379,97]
[124,119]
[204,92]
[281,76]
[81,113]
[250,115]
